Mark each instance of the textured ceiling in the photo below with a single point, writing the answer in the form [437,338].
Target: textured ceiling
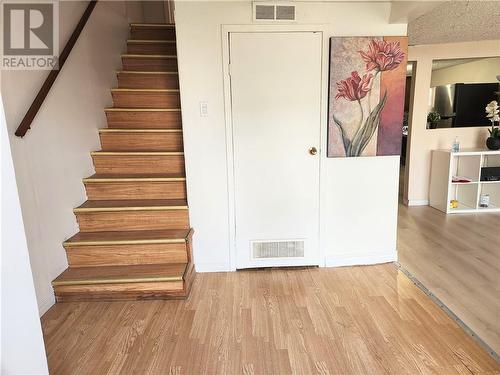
[457,21]
[407,10]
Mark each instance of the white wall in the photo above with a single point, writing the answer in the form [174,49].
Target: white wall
[476,71]
[53,157]
[134,11]
[359,210]
[422,141]
[153,11]
[359,196]
[22,349]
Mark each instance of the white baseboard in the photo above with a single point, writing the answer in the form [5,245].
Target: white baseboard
[331,261]
[44,304]
[212,267]
[418,202]
[360,260]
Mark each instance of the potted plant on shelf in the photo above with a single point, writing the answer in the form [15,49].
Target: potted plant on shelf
[493,141]
[432,119]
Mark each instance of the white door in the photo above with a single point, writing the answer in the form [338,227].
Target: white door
[276,96]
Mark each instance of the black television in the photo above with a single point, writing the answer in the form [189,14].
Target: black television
[470,101]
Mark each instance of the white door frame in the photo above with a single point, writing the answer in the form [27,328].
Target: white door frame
[226,30]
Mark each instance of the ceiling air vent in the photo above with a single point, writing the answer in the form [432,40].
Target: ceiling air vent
[277,249]
[285,12]
[264,12]
[273,12]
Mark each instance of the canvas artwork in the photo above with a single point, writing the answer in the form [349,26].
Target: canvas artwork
[366,95]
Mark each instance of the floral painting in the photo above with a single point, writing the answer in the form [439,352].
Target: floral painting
[366,98]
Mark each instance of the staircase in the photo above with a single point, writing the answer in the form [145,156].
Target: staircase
[135,240]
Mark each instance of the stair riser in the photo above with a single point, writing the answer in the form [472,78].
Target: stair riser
[132,220]
[121,292]
[136,190]
[146,99]
[147,81]
[152,34]
[125,255]
[146,120]
[114,141]
[151,48]
[127,291]
[124,164]
[147,64]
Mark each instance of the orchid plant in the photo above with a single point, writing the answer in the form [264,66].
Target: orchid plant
[492,113]
[381,56]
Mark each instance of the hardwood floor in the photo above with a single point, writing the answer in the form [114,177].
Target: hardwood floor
[456,257]
[352,320]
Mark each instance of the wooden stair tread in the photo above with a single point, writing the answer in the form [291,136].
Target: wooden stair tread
[146,72]
[150,61]
[137,153]
[138,130]
[118,109]
[150,41]
[134,177]
[150,44]
[144,90]
[147,56]
[150,31]
[153,25]
[141,152]
[121,274]
[129,237]
[136,204]
[146,98]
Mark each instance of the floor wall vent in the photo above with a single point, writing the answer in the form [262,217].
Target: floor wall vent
[277,249]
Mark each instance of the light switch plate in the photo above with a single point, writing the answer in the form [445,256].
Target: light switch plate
[203,109]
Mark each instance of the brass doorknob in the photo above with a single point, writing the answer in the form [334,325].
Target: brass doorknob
[313,151]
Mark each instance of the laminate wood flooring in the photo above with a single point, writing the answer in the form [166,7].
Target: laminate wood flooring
[351,320]
[456,257]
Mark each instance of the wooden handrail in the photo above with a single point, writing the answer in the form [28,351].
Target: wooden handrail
[49,81]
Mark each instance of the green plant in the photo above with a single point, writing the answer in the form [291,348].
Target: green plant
[433,117]
[494,132]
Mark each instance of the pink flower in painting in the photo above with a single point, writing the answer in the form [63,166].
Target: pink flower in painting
[354,87]
[382,55]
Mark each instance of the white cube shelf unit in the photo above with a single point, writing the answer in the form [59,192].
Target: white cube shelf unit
[466,163]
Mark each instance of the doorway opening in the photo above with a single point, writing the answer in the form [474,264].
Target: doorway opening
[405,142]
